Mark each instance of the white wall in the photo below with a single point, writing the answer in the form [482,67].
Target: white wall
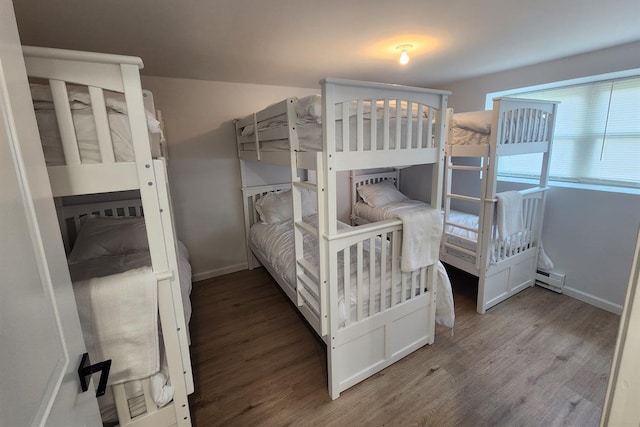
[204,171]
[588,234]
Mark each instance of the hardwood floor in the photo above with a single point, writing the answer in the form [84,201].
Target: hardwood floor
[537,359]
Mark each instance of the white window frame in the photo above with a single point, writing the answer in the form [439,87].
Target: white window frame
[577,81]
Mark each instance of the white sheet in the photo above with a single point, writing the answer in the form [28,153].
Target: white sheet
[275,243]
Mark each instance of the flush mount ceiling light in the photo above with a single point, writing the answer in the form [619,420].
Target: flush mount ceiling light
[404,56]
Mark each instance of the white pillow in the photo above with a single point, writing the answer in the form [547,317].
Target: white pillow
[381,194]
[278,207]
[102,236]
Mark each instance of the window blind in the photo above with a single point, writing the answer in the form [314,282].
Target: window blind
[597,135]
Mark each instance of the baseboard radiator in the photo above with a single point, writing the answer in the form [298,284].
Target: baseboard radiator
[550,280]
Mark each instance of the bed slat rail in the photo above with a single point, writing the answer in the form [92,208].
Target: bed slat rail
[369,275]
[369,125]
[96,73]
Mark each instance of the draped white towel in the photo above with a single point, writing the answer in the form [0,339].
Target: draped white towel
[119,319]
[509,213]
[422,230]
[445,313]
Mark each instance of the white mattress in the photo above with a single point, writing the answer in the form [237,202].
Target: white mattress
[275,243]
[85,127]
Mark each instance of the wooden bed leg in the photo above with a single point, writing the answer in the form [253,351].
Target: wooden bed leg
[334,391]
[481,292]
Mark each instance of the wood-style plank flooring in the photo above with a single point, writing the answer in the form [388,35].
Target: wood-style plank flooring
[537,359]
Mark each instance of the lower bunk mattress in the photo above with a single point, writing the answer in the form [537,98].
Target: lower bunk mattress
[275,244]
[117,304]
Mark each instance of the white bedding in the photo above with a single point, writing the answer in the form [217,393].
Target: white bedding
[104,270]
[274,242]
[471,128]
[85,127]
[474,128]
[381,213]
[458,236]
[309,127]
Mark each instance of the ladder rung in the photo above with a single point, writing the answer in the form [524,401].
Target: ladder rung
[461,197]
[465,168]
[306,184]
[308,228]
[310,268]
[457,237]
[460,248]
[309,284]
[464,227]
[309,299]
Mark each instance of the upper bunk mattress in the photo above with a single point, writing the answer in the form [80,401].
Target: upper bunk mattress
[85,126]
[472,128]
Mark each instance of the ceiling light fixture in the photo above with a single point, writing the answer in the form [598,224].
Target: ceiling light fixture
[404,56]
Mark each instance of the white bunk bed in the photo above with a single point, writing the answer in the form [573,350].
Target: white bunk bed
[500,248]
[114,154]
[380,314]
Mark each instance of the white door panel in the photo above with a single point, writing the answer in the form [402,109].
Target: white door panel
[40,335]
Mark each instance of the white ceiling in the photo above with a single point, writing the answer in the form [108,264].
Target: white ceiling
[298,42]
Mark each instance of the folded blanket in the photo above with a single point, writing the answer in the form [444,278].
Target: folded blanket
[119,319]
[509,213]
[422,230]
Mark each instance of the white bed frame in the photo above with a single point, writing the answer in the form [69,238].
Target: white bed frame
[503,273]
[100,72]
[367,345]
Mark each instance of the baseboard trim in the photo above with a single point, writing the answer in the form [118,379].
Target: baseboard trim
[593,300]
[219,272]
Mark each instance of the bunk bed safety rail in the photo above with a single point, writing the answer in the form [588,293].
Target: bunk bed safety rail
[501,249]
[365,264]
[363,120]
[516,243]
[107,84]
[524,124]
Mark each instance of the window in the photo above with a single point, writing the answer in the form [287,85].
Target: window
[597,134]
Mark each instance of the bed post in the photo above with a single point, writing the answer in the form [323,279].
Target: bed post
[252,262]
